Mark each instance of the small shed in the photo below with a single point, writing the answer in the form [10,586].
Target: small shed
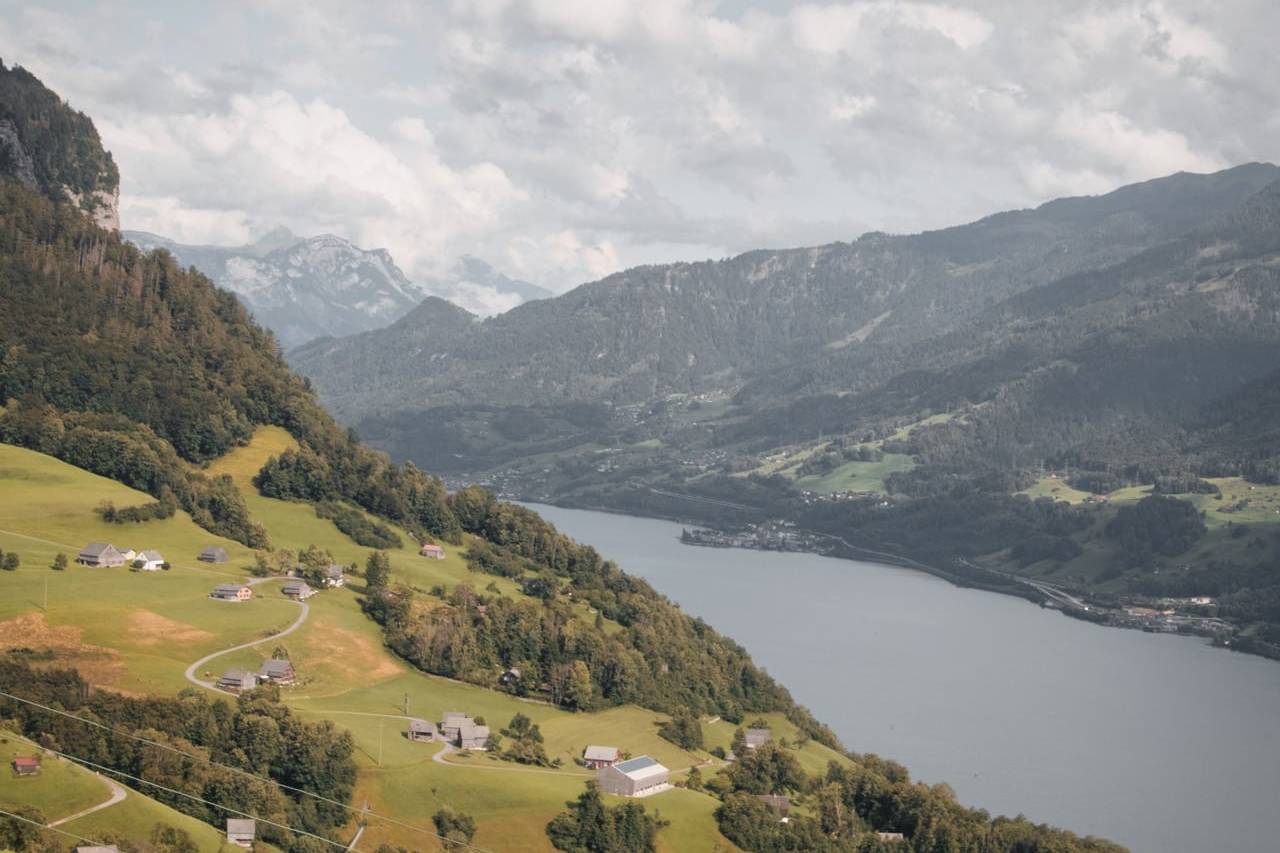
[213,554]
[432,551]
[598,757]
[635,777]
[277,672]
[26,765]
[232,592]
[240,831]
[149,561]
[422,730]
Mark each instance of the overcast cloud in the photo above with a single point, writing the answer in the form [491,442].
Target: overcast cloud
[562,140]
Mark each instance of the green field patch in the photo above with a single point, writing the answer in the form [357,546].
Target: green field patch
[60,788]
[858,476]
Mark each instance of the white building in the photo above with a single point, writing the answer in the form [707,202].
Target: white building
[149,561]
[635,777]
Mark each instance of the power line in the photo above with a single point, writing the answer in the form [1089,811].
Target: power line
[50,828]
[236,770]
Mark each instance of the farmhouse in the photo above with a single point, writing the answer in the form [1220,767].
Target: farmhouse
[213,554]
[277,672]
[463,732]
[232,592]
[599,757]
[636,777]
[777,803]
[100,554]
[333,576]
[240,831]
[756,738]
[298,590]
[421,730]
[512,675]
[26,765]
[432,552]
[149,561]
[237,681]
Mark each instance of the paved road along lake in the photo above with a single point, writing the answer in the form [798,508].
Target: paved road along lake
[1159,742]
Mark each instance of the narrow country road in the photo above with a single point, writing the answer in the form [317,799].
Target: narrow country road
[118,793]
[191,670]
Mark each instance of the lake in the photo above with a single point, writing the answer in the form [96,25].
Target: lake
[1159,742]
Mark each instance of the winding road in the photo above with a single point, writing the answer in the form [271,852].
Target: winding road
[118,794]
[210,685]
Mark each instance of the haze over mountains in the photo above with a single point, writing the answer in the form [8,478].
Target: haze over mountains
[307,288]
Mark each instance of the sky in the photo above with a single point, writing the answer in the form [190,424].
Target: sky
[563,140]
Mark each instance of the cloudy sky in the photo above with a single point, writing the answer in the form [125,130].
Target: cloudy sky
[565,139]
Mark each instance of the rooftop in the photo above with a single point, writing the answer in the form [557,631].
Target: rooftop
[601,753]
[240,826]
[641,767]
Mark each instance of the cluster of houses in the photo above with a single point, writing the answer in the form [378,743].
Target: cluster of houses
[272,671]
[104,555]
[456,728]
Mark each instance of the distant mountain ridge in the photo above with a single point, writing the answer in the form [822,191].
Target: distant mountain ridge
[325,286]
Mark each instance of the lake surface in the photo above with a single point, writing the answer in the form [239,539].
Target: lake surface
[1158,742]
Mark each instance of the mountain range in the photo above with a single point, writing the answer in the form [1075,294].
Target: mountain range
[307,288]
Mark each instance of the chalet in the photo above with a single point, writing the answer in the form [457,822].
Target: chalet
[149,561]
[432,551]
[237,681]
[232,592]
[277,672]
[298,590]
[599,757]
[636,777]
[26,765]
[240,831]
[777,803]
[451,724]
[422,730]
[101,555]
[333,576]
[472,736]
[756,738]
[213,554]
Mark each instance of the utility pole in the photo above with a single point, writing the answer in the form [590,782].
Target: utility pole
[406,704]
[380,743]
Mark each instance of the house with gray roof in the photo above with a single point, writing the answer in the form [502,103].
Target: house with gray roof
[237,681]
[277,672]
[100,555]
[240,831]
[422,730]
[232,592]
[597,757]
[213,554]
[755,738]
[333,576]
[473,736]
[635,777]
[298,590]
[149,561]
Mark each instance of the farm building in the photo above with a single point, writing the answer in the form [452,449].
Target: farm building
[421,730]
[333,576]
[100,555]
[149,561]
[240,831]
[598,757]
[237,681]
[277,672]
[213,554]
[463,732]
[636,777]
[298,590]
[432,552]
[512,675]
[232,592]
[128,553]
[26,765]
[756,738]
[777,803]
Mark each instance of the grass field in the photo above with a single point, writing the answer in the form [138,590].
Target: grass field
[137,632]
[857,476]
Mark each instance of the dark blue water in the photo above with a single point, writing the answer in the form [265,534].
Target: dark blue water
[1158,742]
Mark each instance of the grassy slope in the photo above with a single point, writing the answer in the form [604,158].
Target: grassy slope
[64,788]
[347,675]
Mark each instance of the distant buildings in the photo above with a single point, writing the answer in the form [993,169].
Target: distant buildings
[277,672]
[463,732]
[240,831]
[333,576]
[237,681]
[756,738]
[100,555]
[432,552]
[213,554]
[636,777]
[599,757]
[423,730]
[232,592]
[148,561]
[777,803]
[297,590]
